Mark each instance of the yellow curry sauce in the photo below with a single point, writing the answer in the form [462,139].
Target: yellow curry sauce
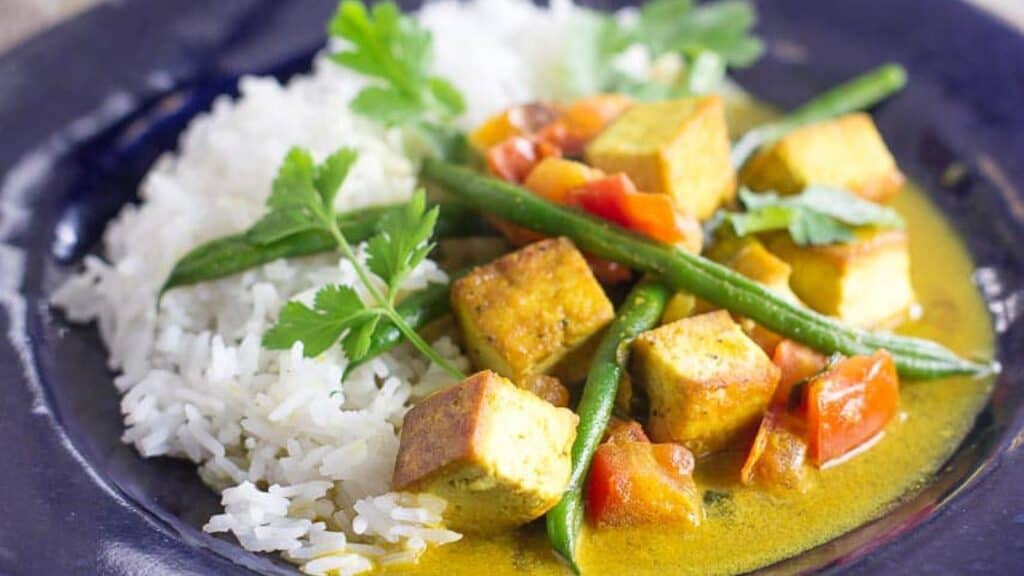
[751,527]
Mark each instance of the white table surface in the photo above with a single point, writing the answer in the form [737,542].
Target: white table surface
[21,18]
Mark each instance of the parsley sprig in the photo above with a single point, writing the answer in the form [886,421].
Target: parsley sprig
[395,52]
[818,216]
[302,199]
[709,38]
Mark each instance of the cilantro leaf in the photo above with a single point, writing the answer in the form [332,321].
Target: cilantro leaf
[335,309]
[817,216]
[403,242]
[302,196]
[708,37]
[331,174]
[392,48]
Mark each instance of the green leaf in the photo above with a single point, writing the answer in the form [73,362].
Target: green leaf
[849,208]
[282,223]
[331,174]
[386,105]
[708,37]
[359,339]
[403,242]
[293,185]
[393,49]
[818,216]
[335,309]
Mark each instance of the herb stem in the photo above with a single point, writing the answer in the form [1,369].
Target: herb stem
[385,305]
[422,345]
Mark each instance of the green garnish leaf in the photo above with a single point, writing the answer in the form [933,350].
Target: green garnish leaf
[403,242]
[708,38]
[392,48]
[818,216]
[335,309]
[302,200]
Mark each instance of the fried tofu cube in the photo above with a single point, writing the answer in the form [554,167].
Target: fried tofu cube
[863,283]
[678,147]
[847,153]
[499,455]
[707,381]
[749,257]
[527,310]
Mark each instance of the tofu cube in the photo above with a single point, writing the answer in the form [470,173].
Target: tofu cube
[527,310]
[499,455]
[847,153]
[707,381]
[749,257]
[864,283]
[678,147]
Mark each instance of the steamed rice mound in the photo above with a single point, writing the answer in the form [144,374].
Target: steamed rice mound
[303,461]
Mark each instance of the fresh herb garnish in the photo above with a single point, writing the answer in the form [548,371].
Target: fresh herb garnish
[817,216]
[394,50]
[708,38]
[302,200]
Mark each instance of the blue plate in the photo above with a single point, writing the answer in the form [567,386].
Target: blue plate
[87,107]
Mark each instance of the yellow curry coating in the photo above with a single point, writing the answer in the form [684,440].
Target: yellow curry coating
[864,283]
[499,455]
[527,310]
[677,147]
[707,381]
[847,153]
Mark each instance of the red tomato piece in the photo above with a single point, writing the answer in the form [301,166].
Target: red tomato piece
[850,404]
[634,483]
[513,159]
[796,363]
[616,199]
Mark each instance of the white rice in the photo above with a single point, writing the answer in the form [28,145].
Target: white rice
[303,462]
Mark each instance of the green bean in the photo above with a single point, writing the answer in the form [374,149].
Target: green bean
[705,279]
[232,254]
[640,311]
[860,93]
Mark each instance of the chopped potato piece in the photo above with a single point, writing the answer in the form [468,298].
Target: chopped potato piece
[749,257]
[680,305]
[863,283]
[707,382]
[546,388]
[778,458]
[527,310]
[554,177]
[498,454]
[679,147]
[847,153]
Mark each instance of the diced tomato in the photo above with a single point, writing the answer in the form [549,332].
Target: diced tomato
[513,159]
[621,431]
[850,404]
[524,120]
[616,199]
[777,457]
[633,483]
[586,118]
[796,363]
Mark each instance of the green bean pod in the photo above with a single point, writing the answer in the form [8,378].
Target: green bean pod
[680,270]
[861,93]
[640,312]
[232,254]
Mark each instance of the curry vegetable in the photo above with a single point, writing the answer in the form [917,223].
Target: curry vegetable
[640,311]
[914,358]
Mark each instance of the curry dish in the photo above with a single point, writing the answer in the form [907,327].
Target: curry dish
[602,314]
